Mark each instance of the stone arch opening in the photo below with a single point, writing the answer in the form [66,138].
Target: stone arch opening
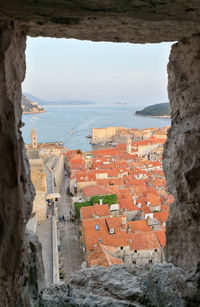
[134,22]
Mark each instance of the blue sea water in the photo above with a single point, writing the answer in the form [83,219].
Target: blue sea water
[58,120]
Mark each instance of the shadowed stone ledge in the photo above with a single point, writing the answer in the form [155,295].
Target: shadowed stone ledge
[120,286]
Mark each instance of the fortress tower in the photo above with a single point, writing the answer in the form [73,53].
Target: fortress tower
[128,145]
[33,139]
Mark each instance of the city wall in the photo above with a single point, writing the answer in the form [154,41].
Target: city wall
[38,177]
[59,174]
[105,135]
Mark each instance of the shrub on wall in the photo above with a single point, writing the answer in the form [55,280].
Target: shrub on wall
[107,199]
[78,207]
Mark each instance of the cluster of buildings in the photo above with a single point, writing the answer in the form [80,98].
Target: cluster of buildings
[117,135]
[132,230]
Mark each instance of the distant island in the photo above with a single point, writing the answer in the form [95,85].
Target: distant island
[160,110]
[58,102]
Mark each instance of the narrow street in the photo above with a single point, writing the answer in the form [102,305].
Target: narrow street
[71,249]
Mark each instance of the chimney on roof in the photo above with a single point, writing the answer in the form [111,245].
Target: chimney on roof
[128,229]
[123,223]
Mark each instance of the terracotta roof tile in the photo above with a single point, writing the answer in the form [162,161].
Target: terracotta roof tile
[102,256]
[161,237]
[95,190]
[95,211]
[143,241]
[138,226]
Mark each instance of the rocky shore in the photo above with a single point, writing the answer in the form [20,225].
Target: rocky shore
[30,107]
[161,116]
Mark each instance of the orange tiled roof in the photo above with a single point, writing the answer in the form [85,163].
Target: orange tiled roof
[77,163]
[138,226]
[162,216]
[127,204]
[102,256]
[95,211]
[95,190]
[96,231]
[85,176]
[103,182]
[143,241]
[161,237]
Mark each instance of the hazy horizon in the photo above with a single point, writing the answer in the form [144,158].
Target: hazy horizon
[102,72]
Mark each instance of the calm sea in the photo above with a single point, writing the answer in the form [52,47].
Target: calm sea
[58,121]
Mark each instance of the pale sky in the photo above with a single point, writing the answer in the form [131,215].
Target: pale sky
[101,72]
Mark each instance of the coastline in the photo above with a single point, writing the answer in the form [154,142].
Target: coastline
[35,112]
[151,116]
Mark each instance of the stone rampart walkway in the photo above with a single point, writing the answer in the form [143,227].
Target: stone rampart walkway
[71,249]
[44,232]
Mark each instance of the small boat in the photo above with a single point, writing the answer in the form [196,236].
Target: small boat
[71,132]
[88,136]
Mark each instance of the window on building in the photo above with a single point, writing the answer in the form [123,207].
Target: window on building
[97,227]
[112,230]
[135,251]
[155,250]
[121,248]
[134,262]
[150,261]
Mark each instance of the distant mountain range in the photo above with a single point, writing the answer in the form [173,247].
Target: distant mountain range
[156,110]
[57,102]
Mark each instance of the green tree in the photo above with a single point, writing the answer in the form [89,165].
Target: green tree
[78,207]
[79,152]
[107,199]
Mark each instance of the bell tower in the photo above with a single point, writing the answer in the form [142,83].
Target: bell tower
[33,139]
[128,145]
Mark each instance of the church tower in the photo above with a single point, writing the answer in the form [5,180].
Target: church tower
[33,139]
[128,145]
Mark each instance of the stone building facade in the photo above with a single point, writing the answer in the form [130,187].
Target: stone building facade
[105,135]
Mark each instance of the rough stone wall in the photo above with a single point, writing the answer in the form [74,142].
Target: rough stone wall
[181,159]
[12,170]
[19,269]
[125,286]
[38,177]
[40,205]
[135,21]
[39,180]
